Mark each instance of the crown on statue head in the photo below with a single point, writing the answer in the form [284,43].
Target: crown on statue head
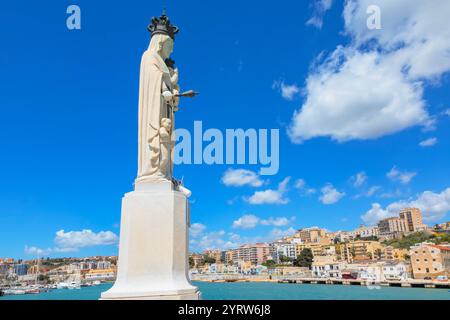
[162,25]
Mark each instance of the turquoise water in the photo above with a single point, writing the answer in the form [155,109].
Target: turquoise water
[262,291]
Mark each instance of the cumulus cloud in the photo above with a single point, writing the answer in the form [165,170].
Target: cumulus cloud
[428,142]
[374,86]
[375,214]
[250,221]
[278,233]
[300,185]
[434,207]
[288,91]
[247,221]
[320,8]
[330,195]
[403,177]
[270,196]
[74,240]
[197,229]
[277,222]
[35,251]
[359,179]
[241,177]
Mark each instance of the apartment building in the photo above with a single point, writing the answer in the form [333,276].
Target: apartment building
[430,260]
[359,250]
[412,218]
[311,235]
[392,227]
[254,253]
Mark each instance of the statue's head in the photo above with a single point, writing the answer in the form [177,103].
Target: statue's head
[166,123]
[163,35]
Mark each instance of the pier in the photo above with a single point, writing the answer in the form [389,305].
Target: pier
[409,283]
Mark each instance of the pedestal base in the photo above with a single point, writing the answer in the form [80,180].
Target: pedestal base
[194,295]
[153,251]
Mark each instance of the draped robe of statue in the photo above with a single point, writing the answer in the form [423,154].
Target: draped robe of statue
[154,79]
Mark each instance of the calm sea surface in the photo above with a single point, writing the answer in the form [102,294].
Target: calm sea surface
[261,291]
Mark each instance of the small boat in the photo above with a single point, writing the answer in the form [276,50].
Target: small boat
[62,285]
[74,285]
[33,291]
[96,283]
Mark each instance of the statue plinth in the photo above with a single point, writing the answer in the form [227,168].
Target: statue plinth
[153,255]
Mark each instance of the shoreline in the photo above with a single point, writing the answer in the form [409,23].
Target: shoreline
[410,283]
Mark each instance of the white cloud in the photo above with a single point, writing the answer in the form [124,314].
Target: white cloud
[197,229]
[428,142]
[403,177]
[35,251]
[359,179]
[300,184]
[277,222]
[434,206]
[374,86]
[447,112]
[330,194]
[375,214]
[248,221]
[74,240]
[288,91]
[320,8]
[277,233]
[270,196]
[241,177]
[373,190]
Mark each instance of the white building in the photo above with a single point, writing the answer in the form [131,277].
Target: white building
[395,271]
[284,250]
[326,267]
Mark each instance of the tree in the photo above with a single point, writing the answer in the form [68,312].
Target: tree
[191,262]
[304,259]
[269,263]
[208,259]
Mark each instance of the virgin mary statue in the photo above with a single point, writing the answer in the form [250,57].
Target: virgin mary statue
[158,101]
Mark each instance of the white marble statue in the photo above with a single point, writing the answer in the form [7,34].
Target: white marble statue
[153,249]
[158,100]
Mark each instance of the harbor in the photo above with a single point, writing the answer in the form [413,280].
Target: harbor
[241,290]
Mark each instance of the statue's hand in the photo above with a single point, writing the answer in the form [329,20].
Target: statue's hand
[168,96]
[176,99]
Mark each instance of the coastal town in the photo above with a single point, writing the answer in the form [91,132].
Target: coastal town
[398,251]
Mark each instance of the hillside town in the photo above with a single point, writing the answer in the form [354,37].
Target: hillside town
[400,250]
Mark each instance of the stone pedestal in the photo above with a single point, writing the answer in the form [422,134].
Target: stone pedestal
[153,252]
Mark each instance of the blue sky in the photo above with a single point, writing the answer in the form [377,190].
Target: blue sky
[347,100]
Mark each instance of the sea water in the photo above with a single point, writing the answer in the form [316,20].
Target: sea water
[265,291]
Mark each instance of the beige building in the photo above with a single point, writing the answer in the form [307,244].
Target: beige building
[359,250]
[214,254]
[390,226]
[412,218]
[311,235]
[429,260]
[256,253]
[391,253]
